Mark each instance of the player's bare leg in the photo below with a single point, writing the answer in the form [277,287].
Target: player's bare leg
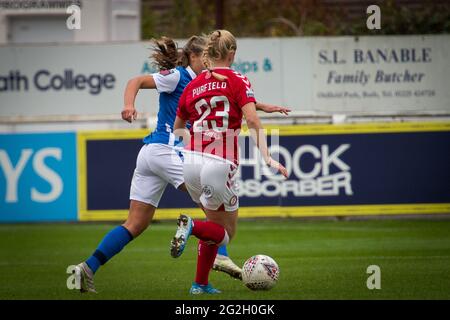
[139,217]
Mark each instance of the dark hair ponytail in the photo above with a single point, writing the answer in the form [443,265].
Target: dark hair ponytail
[165,53]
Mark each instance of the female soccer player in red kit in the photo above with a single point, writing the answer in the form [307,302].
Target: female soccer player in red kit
[214,103]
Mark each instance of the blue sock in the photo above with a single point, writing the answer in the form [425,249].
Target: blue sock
[223,251]
[111,245]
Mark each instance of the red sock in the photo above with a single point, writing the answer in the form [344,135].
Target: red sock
[205,260]
[208,231]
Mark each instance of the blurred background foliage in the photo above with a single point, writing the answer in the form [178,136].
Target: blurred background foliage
[287,18]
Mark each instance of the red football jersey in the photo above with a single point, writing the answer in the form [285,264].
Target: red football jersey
[213,107]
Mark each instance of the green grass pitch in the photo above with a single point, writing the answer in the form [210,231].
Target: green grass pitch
[318,260]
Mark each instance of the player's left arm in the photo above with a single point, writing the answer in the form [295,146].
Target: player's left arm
[270,108]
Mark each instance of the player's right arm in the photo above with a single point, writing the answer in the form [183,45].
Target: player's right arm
[258,135]
[129,112]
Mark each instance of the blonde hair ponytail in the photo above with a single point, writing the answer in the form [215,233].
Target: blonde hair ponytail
[220,44]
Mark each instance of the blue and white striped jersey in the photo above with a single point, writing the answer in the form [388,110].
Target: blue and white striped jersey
[170,85]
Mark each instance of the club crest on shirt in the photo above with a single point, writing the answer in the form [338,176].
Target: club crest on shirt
[208,191]
[166,72]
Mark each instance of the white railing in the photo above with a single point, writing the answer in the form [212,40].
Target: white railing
[147,120]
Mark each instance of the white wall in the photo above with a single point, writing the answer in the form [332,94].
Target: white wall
[94,22]
[101,20]
[288,71]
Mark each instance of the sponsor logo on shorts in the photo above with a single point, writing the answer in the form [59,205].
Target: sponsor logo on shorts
[233,200]
[207,191]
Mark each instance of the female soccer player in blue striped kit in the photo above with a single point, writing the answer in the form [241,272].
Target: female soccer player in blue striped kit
[156,164]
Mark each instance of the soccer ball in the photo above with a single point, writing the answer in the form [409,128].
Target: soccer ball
[260,272]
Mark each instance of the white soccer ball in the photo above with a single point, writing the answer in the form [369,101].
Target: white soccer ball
[260,272]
